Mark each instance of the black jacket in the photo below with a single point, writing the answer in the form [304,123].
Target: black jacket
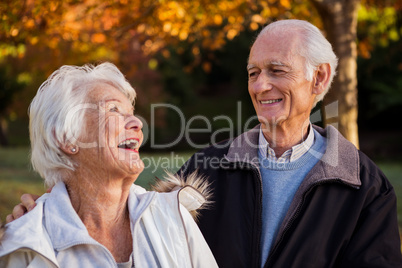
[343,214]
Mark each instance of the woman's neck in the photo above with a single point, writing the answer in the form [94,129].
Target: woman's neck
[102,206]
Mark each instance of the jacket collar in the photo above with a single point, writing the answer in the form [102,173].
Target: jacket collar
[340,160]
[244,148]
[61,216]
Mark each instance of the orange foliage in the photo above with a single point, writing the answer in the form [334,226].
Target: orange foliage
[101,27]
[154,24]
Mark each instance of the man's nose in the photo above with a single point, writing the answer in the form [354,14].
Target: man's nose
[263,83]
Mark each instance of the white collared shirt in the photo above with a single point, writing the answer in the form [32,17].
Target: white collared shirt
[290,155]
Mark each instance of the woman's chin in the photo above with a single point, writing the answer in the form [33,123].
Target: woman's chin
[137,167]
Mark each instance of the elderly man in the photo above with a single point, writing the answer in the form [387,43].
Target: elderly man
[289,194]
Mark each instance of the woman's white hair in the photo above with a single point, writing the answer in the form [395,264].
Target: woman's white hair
[314,47]
[57,114]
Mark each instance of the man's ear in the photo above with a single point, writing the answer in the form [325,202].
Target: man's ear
[321,78]
[69,148]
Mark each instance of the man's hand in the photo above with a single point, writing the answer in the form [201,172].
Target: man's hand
[26,205]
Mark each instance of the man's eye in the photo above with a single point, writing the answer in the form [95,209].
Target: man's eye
[278,71]
[252,74]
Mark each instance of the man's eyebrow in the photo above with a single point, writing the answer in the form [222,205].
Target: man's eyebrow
[250,66]
[267,64]
[277,63]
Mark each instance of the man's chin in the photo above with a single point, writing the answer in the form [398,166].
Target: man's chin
[271,120]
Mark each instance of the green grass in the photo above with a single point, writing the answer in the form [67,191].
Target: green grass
[393,171]
[157,164]
[16,178]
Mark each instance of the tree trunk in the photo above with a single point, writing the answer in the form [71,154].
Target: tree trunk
[340,22]
[3,136]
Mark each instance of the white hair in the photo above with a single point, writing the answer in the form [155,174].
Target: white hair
[57,116]
[314,47]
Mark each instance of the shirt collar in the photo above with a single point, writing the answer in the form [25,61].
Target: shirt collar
[290,155]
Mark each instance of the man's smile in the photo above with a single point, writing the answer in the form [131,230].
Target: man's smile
[270,101]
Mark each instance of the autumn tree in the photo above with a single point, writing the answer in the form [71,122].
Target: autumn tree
[339,18]
[73,32]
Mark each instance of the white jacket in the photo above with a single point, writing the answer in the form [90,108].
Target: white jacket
[52,235]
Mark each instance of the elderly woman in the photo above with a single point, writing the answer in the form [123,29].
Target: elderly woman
[85,144]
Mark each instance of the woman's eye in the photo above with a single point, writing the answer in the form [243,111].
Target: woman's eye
[113,109]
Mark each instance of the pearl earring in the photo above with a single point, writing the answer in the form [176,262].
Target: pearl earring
[73,150]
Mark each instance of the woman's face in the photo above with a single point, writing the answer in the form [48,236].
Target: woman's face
[112,134]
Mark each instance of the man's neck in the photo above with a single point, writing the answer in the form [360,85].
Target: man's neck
[282,137]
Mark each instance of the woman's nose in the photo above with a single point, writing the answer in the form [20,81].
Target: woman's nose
[133,122]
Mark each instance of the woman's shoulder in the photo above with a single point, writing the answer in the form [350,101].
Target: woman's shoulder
[27,234]
[29,220]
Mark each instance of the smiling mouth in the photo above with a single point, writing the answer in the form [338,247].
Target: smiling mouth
[130,144]
[270,101]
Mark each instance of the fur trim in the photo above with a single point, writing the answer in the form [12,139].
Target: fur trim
[172,182]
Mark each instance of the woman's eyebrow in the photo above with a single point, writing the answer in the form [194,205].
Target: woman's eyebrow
[109,100]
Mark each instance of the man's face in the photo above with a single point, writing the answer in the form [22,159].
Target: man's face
[277,84]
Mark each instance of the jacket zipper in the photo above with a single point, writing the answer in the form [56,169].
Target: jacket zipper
[297,212]
[256,245]
[135,226]
[259,227]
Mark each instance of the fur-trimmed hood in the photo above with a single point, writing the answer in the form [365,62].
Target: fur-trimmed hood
[194,191]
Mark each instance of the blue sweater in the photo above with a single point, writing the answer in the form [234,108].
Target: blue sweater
[280,182]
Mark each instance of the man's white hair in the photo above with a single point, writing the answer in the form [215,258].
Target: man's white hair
[57,114]
[314,47]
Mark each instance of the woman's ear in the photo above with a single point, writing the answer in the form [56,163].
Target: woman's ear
[321,78]
[69,148]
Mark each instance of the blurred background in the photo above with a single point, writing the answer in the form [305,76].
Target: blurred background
[193,55]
